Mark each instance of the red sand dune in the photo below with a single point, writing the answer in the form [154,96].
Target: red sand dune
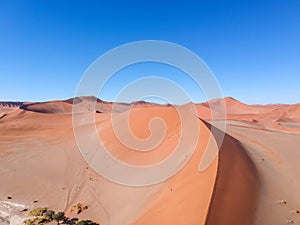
[270,117]
[234,106]
[39,160]
[289,113]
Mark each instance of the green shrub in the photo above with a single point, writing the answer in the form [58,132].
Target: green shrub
[49,214]
[78,208]
[28,222]
[41,220]
[36,221]
[60,216]
[37,212]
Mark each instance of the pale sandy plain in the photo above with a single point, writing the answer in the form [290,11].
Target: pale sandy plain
[255,178]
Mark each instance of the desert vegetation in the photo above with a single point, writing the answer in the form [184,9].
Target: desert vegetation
[43,215]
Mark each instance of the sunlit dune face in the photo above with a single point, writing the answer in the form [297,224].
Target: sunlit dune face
[154,134]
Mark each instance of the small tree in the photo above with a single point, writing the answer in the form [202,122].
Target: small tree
[49,214]
[60,216]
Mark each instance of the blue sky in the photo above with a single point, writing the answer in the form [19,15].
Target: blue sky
[253,47]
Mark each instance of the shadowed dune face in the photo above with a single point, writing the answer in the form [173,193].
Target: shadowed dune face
[237,186]
[48,107]
[39,153]
[7,105]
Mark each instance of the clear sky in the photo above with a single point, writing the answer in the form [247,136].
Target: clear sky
[253,47]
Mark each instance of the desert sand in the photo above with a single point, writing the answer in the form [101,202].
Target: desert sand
[254,180]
